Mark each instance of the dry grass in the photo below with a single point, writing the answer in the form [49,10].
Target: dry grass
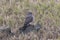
[47,12]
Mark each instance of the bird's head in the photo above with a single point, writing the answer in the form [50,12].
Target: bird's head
[29,13]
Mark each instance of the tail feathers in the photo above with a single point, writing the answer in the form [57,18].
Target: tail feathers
[24,27]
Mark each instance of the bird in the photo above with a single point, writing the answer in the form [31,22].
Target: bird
[28,20]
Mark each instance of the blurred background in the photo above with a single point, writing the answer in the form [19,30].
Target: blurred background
[46,12]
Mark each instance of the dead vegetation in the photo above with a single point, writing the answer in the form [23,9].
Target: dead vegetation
[46,12]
